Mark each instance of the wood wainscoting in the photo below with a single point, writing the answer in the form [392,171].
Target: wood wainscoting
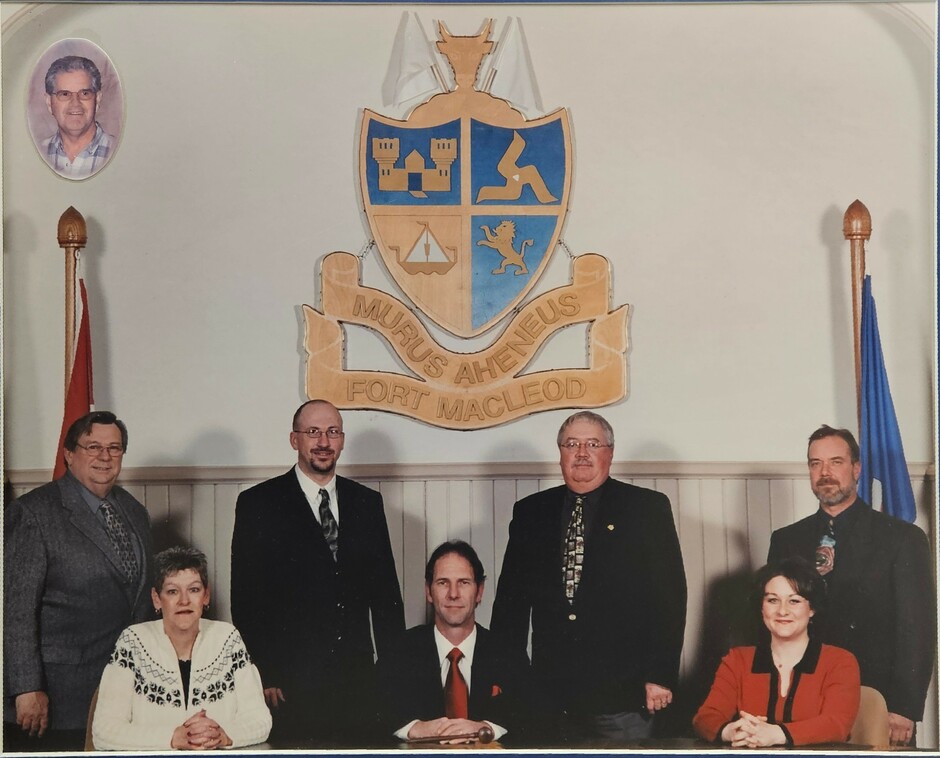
[724,513]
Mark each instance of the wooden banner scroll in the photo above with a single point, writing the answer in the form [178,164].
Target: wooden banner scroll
[467,390]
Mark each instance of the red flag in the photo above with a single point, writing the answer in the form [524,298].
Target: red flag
[80,397]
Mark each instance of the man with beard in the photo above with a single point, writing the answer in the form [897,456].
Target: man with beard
[879,579]
[311,559]
[80,147]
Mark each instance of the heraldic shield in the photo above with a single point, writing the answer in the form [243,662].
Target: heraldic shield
[466,209]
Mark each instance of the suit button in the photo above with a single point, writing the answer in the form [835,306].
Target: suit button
[339,605]
[572,616]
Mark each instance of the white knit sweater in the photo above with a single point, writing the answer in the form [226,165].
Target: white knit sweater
[141,701]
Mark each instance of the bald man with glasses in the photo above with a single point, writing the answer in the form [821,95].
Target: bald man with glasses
[311,561]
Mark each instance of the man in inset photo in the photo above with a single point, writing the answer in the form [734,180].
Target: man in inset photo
[80,146]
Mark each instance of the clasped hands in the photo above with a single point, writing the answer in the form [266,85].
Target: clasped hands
[444,726]
[199,732]
[752,731]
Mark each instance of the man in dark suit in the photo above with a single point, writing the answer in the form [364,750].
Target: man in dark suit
[597,564]
[422,693]
[311,560]
[77,555]
[879,577]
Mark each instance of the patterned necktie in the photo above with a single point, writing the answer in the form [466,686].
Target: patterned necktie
[330,527]
[826,551]
[574,549]
[121,540]
[456,694]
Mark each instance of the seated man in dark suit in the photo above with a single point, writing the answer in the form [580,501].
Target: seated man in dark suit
[424,694]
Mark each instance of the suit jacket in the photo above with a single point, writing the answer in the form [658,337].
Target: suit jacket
[305,617]
[820,705]
[881,601]
[410,683]
[626,624]
[66,599]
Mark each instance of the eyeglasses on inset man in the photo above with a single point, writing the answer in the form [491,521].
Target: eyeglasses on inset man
[64,95]
[332,433]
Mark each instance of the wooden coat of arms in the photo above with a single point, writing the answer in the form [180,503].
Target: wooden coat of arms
[466,200]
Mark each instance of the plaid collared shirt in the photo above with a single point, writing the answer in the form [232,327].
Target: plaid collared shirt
[87,162]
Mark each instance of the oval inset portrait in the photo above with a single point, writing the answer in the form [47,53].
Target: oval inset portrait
[75,108]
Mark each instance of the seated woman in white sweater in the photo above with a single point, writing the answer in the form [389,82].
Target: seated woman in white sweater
[182,681]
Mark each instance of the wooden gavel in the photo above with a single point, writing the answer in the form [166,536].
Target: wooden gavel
[484,735]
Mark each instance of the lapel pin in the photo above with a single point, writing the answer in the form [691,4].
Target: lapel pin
[610,527]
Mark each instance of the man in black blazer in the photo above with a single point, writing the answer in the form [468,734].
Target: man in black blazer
[879,577]
[311,560]
[415,672]
[77,557]
[597,565]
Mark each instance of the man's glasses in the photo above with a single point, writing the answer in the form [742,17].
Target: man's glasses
[332,433]
[95,450]
[64,95]
[591,446]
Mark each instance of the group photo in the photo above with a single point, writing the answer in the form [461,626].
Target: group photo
[469,376]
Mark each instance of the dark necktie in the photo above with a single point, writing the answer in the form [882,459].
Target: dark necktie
[574,549]
[121,540]
[826,551]
[330,527]
[456,695]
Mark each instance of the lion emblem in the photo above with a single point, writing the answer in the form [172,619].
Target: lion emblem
[501,240]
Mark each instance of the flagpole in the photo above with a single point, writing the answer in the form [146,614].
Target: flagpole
[856,227]
[72,238]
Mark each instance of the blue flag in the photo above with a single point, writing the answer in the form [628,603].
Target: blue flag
[881,450]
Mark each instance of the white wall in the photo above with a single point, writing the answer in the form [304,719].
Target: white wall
[717,147]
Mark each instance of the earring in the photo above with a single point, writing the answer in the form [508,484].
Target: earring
[159,611]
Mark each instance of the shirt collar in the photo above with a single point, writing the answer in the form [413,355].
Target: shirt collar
[444,646]
[589,497]
[847,517]
[764,660]
[90,148]
[312,491]
[90,498]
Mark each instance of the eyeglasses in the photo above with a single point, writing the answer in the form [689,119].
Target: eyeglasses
[64,95]
[592,446]
[332,433]
[95,450]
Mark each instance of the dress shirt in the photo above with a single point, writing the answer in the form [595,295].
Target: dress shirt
[588,511]
[312,492]
[94,505]
[87,162]
[444,646]
[843,525]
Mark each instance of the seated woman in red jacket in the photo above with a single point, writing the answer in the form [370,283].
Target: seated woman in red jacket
[790,689]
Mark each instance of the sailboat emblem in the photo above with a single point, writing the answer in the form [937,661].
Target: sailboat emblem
[427,255]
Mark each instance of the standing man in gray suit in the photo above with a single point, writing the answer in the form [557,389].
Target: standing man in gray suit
[77,553]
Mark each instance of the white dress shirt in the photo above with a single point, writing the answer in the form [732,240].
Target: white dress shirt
[312,491]
[465,664]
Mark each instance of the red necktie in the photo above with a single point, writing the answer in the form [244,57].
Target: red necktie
[455,691]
